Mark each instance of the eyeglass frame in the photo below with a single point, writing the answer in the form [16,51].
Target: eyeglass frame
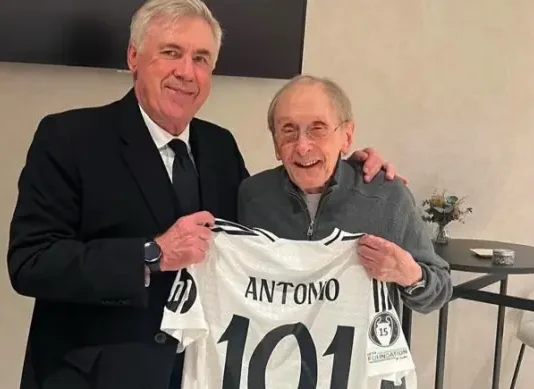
[307,132]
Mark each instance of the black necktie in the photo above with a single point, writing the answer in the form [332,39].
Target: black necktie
[184,178]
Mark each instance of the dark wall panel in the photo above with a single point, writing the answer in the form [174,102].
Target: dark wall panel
[263,38]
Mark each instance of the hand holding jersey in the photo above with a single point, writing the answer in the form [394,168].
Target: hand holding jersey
[186,242]
[386,261]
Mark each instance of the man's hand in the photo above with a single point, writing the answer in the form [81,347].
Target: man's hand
[186,241]
[385,261]
[373,163]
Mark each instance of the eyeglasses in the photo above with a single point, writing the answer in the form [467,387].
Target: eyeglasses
[315,132]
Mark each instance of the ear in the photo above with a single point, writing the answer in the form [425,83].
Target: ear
[132,57]
[347,134]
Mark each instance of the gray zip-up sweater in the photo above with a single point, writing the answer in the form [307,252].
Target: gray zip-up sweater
[269,200]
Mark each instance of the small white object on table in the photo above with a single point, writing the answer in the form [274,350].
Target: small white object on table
[498,256]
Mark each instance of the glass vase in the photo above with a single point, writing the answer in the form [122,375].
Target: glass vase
[442,236]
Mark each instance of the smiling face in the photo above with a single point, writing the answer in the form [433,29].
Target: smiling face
[172,70]
[309,159]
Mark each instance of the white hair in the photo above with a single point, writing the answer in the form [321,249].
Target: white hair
[171,10]
[335,93]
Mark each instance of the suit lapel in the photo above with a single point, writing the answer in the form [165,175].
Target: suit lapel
[204,156]
[144,161]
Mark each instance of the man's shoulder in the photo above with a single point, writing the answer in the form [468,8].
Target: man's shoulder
[80,120]
[262,183]
[96,111]
[379,187]
[214,137]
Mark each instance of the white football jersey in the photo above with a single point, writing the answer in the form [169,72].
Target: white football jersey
[263,312]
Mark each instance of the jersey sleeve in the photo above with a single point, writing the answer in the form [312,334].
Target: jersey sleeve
[388,355]
[183,315]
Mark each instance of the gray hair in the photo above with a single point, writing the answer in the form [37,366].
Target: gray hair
[172,9]
[335,93]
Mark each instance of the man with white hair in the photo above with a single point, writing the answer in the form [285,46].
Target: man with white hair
[113,200]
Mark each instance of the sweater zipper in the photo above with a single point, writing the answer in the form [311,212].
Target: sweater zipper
[311,223]
[309,233]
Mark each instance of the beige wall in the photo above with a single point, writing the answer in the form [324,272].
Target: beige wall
[445,90]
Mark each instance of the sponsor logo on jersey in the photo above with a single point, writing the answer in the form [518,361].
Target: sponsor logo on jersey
[183,293]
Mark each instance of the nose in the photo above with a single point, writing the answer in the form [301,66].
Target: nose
[303,145]
[184,68]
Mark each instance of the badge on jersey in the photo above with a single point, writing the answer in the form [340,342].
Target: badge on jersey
[388,355]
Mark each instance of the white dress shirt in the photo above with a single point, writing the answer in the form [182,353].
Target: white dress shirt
[161,138]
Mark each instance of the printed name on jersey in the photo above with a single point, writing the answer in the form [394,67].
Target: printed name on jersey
[264,290]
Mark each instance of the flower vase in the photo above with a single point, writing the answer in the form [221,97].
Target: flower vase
[442,236]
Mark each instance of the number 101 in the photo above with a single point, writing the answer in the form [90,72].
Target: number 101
[236,336]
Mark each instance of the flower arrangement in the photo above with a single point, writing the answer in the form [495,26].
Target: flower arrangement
[442,209]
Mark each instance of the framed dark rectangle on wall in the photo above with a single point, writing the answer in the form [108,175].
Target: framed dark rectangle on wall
[262,38]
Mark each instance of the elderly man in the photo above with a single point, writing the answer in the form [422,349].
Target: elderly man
[113,200]
[314,190]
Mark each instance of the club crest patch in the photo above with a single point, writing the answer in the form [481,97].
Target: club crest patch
[384,330]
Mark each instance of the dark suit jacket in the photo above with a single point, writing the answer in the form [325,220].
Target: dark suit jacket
[93,189]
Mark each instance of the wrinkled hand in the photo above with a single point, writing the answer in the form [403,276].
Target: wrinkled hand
[373,163]
[385,261]
[186,242]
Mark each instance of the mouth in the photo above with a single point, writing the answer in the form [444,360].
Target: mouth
[180,92]
[308,164]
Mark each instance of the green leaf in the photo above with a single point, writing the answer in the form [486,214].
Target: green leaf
[451,200]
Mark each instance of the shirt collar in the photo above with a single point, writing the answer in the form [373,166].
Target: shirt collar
[162,137]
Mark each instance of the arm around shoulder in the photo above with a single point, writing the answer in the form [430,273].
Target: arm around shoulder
[46,257]
[415,239]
